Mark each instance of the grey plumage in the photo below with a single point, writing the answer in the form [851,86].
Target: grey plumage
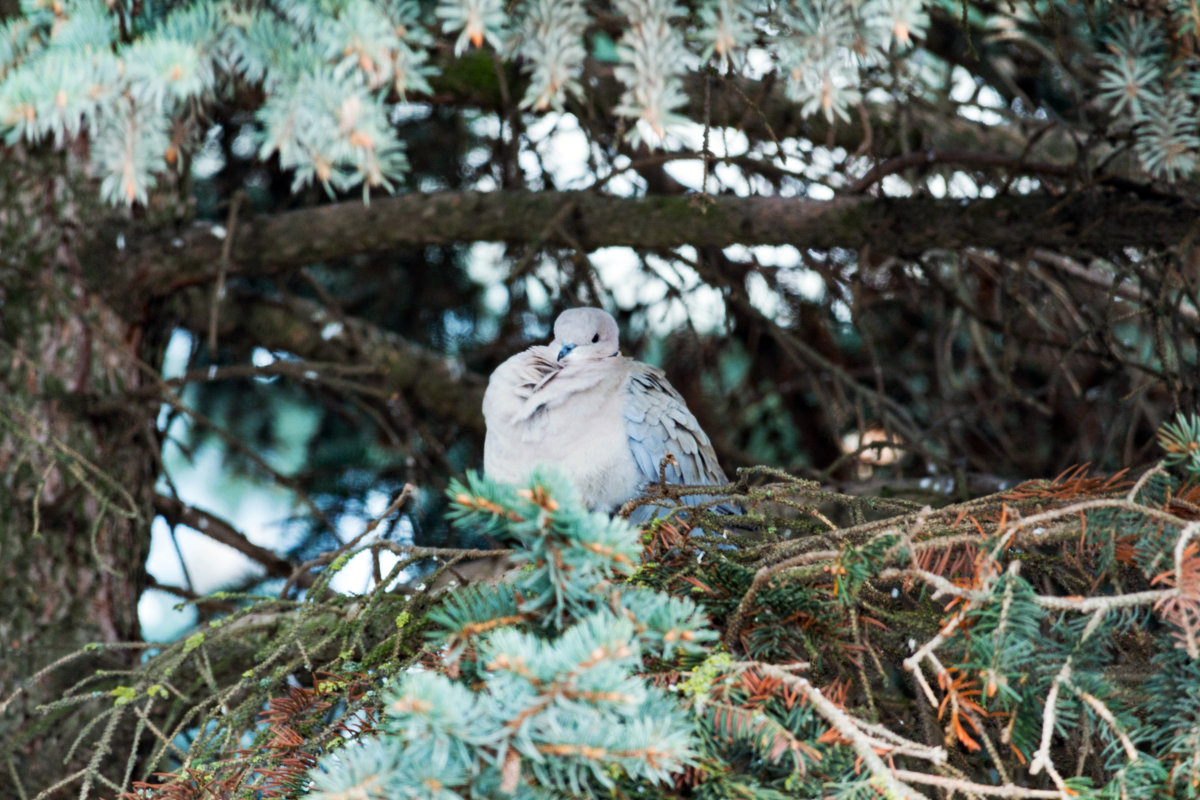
[607,421]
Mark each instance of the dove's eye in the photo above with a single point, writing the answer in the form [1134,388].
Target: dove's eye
[595,338]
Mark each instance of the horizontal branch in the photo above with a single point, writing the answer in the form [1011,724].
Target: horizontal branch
[177,512]
[846,727]
[970,787]
[385,361]
[1097,221]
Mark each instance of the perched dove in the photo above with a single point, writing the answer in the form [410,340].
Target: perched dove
[607,421]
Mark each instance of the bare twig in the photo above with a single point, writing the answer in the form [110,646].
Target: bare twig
[848,728]
[958,785]
[218,294]
[1041,757]
[1103,280]
[218,529]
[965,158]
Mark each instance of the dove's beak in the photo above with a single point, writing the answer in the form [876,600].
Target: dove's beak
[566,350]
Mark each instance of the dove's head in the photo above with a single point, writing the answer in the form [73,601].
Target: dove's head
[585,334]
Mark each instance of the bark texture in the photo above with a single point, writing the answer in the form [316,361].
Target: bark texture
[75,496]
[1100,221]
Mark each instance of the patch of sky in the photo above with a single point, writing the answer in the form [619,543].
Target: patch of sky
[409,112]
[496,299]
[1018,107]
[175,362]
[692,301]
[485,126]
[535,327]
[332,330]
[620,269]
[535,291]
[962,185]
[485,262]
[484,183]
[957,185]
[477,157]
[179,352]
[976,99]
[758,63]
[562,150]
[261,512]
[617,268]
[531,167]
[820,164]
[429,184]
[160,620]
[210,158]
[245,144]
[670,288]
[487,266]
[793,148]
[1026,185]
[877,95]
[626,183]
[962,85]
[767,300]
[819,191]
[895,186]
[790,270]
[262,357]
[357,576]
[804,282]
[722,143]
[458,331]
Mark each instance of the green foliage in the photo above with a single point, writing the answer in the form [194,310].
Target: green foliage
[325,69]
[1039,646]
[551,45]
[475,21]
[1009,627]
[726,29]
[333,73]
[651,52]
[1014,664]
[1154,93]
[1181,441]
[570,549]
[558,709]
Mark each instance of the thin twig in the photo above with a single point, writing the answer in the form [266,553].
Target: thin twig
[958,785]
[966,158]
[1041,757]
[1105,281]
[845,725]
[223,264]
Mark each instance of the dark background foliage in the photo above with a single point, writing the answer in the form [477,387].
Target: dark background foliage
[975,263]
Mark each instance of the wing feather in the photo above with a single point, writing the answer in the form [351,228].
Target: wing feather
[658,422]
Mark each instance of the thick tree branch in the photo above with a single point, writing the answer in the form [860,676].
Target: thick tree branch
[1097,221]
[965,158]
[212,526]
[761,108]
[395,365]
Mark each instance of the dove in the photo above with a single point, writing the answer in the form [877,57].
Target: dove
[605,420]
